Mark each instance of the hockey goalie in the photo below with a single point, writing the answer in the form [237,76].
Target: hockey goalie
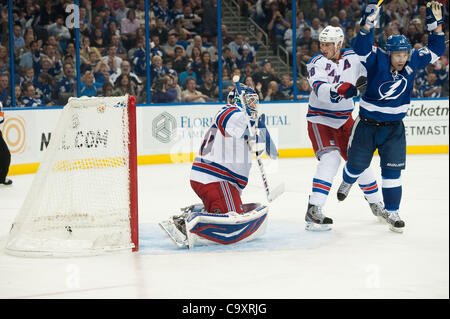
[219,175]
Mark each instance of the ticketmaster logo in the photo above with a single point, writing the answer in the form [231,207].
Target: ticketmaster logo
[427,111]
[163,127]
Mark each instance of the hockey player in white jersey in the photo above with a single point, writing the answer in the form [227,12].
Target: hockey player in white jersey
[390,79]
[332,75]
[219,175]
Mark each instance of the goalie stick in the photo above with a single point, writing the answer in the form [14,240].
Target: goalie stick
[277,191]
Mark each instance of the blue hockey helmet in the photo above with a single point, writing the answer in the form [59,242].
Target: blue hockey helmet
[397,43]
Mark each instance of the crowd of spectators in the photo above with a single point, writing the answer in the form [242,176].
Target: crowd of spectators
[399,17]
[183,48]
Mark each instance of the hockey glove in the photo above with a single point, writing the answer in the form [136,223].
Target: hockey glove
[255,145]
[346,90]
[434,15]
[264,134]
[342,91]
[371,13]
[334,96]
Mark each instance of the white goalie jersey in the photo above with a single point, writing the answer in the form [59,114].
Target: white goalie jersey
[224,154]
[323,74]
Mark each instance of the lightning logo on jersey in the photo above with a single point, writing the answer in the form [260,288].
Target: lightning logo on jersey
[393,89]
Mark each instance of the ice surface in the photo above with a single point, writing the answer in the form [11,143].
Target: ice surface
[358,258]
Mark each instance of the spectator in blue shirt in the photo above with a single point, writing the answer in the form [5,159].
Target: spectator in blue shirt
[29,99]
[304,90]
[430,89]
[87,86]
[66,86]
[247,57]
[188,73]
[157,69]
[139,60]
[422,75]
[285,87]
[18,39]
[5,91]
[278,25]
[44,88]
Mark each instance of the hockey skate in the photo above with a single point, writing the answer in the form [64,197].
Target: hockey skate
[395,222]
[343,190]
[6,182]
[316,220]
[175,227]
[378,211]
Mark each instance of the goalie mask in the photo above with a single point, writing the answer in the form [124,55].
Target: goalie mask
[248,100]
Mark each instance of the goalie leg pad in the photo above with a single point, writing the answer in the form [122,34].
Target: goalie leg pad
[225,229]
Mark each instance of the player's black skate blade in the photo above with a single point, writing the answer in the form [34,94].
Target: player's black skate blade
[317,227]
[341,197]
[398,226]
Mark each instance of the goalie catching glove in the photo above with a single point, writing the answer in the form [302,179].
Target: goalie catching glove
[371,13]
[434,15]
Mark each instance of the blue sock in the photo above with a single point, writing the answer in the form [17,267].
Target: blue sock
[392,197]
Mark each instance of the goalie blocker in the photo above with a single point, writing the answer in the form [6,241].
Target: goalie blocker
[196,227]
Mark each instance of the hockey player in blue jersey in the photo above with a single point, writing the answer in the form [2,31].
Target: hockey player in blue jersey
[390,80]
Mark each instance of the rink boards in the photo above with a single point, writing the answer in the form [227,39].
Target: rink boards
[173,133]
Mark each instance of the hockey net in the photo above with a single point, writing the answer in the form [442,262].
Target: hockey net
[83,199]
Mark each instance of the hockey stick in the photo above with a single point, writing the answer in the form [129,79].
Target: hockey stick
[277,191]
[361,83]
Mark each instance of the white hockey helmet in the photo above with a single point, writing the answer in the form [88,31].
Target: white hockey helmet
[332,34]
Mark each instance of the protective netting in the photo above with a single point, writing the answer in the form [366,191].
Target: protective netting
[79,202]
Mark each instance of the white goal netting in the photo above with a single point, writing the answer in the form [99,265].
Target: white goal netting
[79,201]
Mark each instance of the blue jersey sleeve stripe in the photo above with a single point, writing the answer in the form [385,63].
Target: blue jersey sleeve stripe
[226,119]
[317,85]
[222,116]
